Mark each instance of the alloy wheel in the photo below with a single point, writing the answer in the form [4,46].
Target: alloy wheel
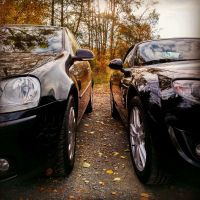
[71,133]
[137,139]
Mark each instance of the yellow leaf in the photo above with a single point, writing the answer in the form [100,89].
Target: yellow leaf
[86,165]
[100,154]
[113,193]
[110,171]
[117,179]
[101,183]
[145,195]
[115,153]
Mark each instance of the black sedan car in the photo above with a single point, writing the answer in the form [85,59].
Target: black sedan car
[156,92]
[45,88]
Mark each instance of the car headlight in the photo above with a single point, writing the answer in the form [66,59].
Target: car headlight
[189,89]
[19,94]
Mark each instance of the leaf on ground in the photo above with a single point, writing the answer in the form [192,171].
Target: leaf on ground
[109,171]
[91,132]
[122,157]
[86,181]
[100,154]
[86,124]
[145,195]
[113,193]
[71,197]
[126,150]
[86,165]
[115,153]
[101,183]
[117,179]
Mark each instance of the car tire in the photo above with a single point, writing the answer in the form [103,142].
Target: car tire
[145,161]
[89,108]
[114,112]
[67,141]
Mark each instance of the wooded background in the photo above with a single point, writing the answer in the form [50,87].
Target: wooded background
[107,27]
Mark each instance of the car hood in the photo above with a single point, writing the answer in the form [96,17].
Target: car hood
[179,69]
[14,64]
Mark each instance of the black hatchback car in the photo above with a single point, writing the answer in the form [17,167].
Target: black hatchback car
[156,92]
[45,88]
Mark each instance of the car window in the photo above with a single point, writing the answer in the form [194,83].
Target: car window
[169,50]
[74,43]
[129,59]
[30,39]
[67,45]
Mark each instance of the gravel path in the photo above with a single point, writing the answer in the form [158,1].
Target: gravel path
[103,168]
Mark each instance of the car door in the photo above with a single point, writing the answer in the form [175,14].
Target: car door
[120,84]
[80,71]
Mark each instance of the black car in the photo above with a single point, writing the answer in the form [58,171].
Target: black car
[45,88]
[156,92]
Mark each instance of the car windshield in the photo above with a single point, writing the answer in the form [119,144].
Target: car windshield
[169,50]
[30,39]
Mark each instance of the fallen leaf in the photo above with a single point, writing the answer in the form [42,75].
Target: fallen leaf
[86,165]
[92,132]
[145,195]
[100,154]
[126,150]
[113,193]
[86,181]
[122,157]
[115,153]
[86,124]
[109,171]
[101,183]
[117,179]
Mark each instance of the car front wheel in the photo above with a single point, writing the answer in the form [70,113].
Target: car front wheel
[144,158]
[67,140]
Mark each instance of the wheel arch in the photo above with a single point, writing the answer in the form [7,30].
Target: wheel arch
[132,92]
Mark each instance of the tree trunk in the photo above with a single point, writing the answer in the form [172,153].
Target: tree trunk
[52,13]
[62,18]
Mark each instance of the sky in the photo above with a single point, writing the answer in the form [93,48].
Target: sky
[179,18]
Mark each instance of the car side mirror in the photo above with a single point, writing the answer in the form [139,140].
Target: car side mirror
[116,64]
[83,54]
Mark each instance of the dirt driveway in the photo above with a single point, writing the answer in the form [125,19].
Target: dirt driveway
[103,168]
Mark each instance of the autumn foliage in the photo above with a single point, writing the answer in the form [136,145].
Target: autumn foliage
[108,27]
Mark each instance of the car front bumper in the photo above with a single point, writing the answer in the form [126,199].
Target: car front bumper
[28,139]
[183,128]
